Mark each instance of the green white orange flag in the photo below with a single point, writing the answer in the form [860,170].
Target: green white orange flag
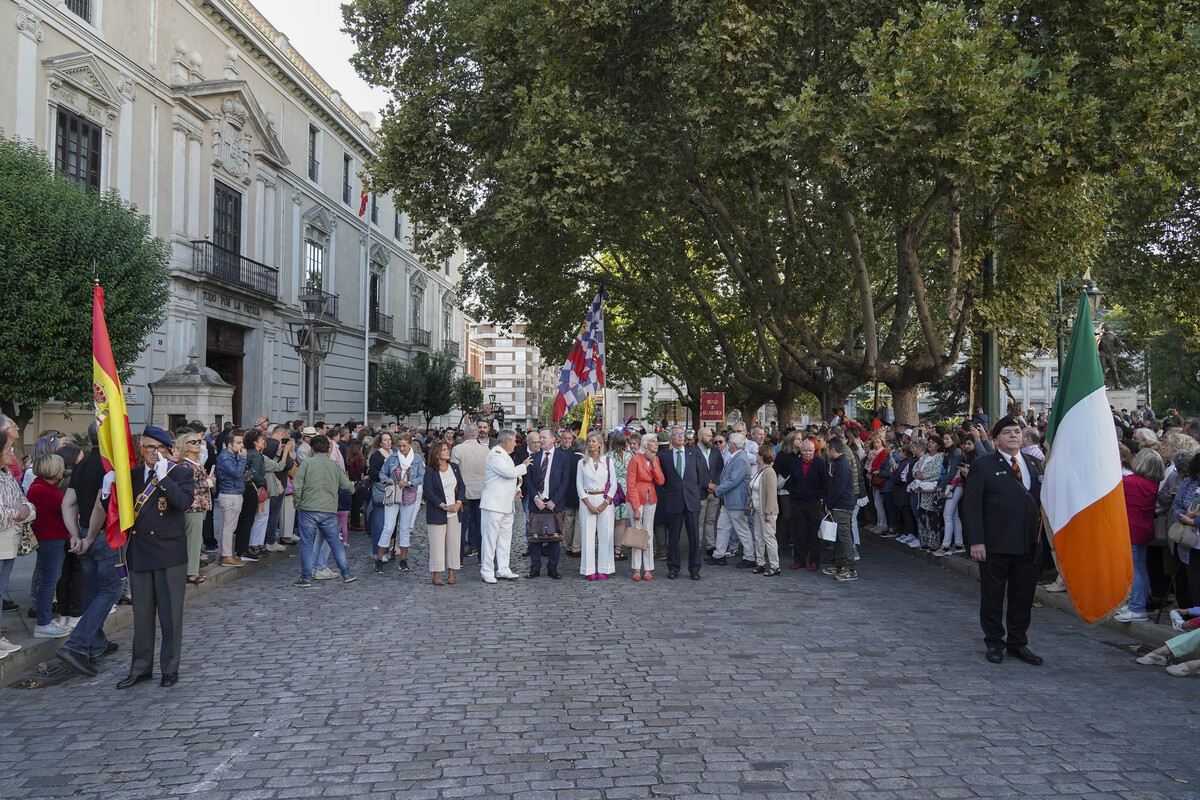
[1082,493]
[116,442]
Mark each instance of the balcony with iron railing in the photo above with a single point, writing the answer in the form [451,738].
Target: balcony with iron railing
[452,349]
[419,337]
[318,302]
[232,269]
[381,323]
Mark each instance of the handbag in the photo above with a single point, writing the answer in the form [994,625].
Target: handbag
[262,494]
[391,495]
[829,529]
[1183,535]
[26,541]
[408,495]
[631,537]
[545,526]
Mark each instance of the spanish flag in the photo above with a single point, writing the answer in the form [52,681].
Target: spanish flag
[1082,493]
[116,442]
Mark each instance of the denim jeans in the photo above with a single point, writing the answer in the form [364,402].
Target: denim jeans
[273,510]
[324,523]
[50,556]
[1141,580]
[472,534]
[6,568]
[101,588]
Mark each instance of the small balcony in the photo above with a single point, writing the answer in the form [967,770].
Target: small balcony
[452,349]
[228,267]
[319,303]
[419,337]
[381,323]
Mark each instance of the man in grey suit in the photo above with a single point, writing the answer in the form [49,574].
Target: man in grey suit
[684,476]
[733,490]
[157,557]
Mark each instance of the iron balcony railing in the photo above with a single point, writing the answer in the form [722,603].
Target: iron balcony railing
[381,323]
[419,337]
[236,270]
[451,348]
[321,303]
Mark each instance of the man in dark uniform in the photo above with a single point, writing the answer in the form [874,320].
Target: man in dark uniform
[157,557]
[1002,522]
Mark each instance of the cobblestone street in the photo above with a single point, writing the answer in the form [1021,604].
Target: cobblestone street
[736,686]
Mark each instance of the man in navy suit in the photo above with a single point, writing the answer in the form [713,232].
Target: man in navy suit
[546,492]
[685,477]
[1002,523]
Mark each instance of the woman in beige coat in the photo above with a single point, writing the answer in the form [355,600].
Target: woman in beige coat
[764,502]
[14,509]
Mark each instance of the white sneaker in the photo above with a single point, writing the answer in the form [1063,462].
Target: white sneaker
[1176,619]
[958,548]
[325,574]
[276,548]
[913,542]
[8,647]
[1153,659]
[1125,615]
[508,576]
[50,631]
[72,622]
[1057,586]
[489,579]
[1182,670]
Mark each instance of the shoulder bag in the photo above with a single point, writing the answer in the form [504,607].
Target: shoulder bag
[26,541]
[1183,535]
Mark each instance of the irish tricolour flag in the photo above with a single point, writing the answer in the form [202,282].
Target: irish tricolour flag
[1082,493]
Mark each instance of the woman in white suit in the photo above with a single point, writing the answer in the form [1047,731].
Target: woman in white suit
[596,483]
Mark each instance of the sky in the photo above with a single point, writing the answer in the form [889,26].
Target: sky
[314,29]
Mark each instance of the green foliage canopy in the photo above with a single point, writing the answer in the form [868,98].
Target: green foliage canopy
[55,240]
[782,182]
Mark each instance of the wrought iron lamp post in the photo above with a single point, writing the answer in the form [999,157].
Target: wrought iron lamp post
[311,340]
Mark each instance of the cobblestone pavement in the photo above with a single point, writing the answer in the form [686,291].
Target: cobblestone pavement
[736,686]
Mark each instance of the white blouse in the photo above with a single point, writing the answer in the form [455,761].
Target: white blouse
[591,477]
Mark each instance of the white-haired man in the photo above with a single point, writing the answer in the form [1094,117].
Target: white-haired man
[500,488]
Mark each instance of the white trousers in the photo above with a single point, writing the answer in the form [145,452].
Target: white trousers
[258,531]
[644,559]
[734,520]
[597,533]
[766,547]
[496,548]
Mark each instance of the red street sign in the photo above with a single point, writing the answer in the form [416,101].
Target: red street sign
[712,406]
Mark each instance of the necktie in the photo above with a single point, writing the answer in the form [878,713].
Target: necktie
[679,462]
[1017,467]
[542,472]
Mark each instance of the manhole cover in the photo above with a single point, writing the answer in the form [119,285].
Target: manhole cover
[1126,647]
[51,675]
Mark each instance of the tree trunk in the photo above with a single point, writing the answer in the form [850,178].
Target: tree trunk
[904,404]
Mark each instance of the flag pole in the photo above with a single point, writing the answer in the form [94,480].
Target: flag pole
[366,294]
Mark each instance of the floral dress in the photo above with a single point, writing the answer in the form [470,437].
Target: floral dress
[620,468]
[930,522]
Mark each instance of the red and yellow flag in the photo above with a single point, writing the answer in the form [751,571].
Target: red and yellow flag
[116,441]
[362,203]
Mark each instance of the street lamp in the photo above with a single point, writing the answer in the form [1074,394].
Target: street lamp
[497,409]
[1092,290]
[312,342]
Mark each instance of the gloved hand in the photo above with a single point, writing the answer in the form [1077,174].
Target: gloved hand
[106,486]
[162,467]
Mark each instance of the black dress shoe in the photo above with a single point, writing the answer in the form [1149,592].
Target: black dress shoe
[133,680]
[995,655]
[553,573]
[169,679]
[125,600]
[75,662]
[533,573]
[716,562]
[672,574]
[696,575]
[9,605]
[1026,655]
[109,649]
[745,564]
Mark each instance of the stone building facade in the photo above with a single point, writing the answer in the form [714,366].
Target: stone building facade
[249,164]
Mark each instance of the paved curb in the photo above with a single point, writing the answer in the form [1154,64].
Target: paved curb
[36,652]
[1145,632]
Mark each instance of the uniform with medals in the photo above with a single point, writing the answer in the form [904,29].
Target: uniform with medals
[157,558]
